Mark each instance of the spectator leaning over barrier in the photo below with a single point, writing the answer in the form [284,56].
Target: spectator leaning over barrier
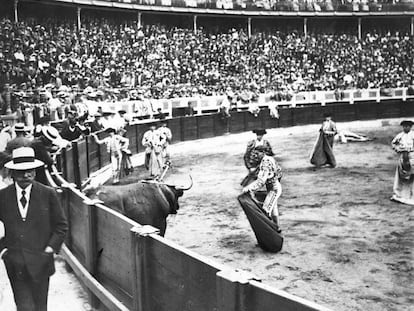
[160,115]
[44,121]
[96,125]
[72,129]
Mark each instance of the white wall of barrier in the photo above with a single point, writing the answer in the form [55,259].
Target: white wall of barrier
[202,104]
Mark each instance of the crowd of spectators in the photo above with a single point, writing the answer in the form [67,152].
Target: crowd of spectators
[49,63]
[285,5]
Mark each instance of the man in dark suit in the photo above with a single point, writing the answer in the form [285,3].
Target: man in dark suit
[72,129]
[96,125]
[35,226]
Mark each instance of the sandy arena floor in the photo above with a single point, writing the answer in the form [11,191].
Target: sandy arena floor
[65,293]
[347,246]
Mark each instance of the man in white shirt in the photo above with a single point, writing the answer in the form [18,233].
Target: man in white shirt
[153,142]
[403,144]
[166,139]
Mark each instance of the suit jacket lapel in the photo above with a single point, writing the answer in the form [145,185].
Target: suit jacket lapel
[12,206]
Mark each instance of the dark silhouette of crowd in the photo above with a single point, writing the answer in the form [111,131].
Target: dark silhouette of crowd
[105,58]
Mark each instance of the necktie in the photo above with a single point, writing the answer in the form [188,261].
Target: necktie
[23,199]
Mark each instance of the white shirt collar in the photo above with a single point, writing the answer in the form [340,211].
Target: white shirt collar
[23,209]
[259,142]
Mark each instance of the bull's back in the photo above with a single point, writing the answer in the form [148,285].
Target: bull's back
[142,202]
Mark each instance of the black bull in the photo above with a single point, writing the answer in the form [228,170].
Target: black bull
[148,203]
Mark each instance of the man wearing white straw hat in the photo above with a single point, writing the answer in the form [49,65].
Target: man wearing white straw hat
[35,227]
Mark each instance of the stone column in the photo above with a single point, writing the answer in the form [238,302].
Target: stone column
[249,27]
[305,27]
[78,13]
[16,15]
[139,19]
[195,23]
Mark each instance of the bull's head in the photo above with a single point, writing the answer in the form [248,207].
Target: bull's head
[173,192]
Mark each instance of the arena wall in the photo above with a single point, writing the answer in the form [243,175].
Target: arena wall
[127,266]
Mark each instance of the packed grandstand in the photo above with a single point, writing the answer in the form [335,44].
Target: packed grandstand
[111,55]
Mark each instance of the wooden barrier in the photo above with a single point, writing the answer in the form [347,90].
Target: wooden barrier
[259,297]
[83,159]
[237,122]
[205,126]
[113,252]
[131,134]
[168,268]
[94,156]
[78,215]
[96,239]
[189,128]
[70,170]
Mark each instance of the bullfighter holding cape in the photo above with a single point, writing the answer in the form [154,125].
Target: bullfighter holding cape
[403,144]
[264,216]
[322,152]
[153,141]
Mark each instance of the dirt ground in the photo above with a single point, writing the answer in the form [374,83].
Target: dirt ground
[65,292]
[347,246]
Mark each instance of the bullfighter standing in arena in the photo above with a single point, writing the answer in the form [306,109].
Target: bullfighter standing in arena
[403,144]
[153,142]
[322,151]
[270,174]
[254,152]
[167,136]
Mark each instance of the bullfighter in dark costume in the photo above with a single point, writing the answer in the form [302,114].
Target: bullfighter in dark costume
[255,150]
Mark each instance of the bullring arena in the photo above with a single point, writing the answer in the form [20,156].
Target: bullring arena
[244,65]
[347,246]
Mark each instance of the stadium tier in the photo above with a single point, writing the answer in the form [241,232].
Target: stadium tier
[49,53]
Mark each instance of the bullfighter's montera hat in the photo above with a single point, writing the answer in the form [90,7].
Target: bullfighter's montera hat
[407,123]
[259,131]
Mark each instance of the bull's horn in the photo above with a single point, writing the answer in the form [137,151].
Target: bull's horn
[186,188]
